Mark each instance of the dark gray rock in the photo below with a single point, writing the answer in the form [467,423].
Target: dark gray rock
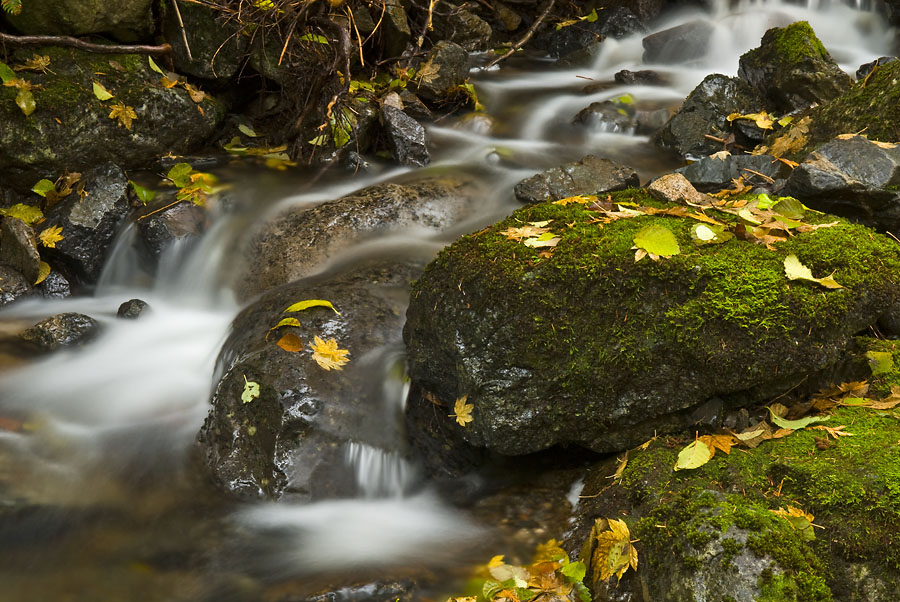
[180,221]
[301,241]
[607,116]
[71,129]
[18,248]
[679,44]
[866,69]
[855,178]
[461,26]
[705,112]
[650,121]
[131,19]
[394,31]
[217,46]
[616,22]
[711,174]
[591,175]
[132,309]
[55,286]
[641,78]
[62,330]
[791,69]
[645,10]
[90,223]
[446,67]
[12,285]
[407,139]
[292,441]
[414,107]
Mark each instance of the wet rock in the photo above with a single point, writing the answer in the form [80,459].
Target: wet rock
[12,285]
[462,27]
[132,309]
[704,113]
[641,78]
[414,107]
[62,330]
[71,129]
[131,20]
[791,69]
[591,175]
[542,349]
[293,440]
[853,177]
[711,174]
[181,221]
[510,18]
[216,46]
[301,241]
[644,9]
[406,137]
[616,22]
[675,188]
[18,248]
[89,224]
[446,67]
[379,591]
[679,44]
[395,32]
[650,121]
[55,286]
[607,116]
[866,69]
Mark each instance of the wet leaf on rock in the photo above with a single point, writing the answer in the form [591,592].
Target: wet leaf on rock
[327,354]
[43,272]
[154,66]
[101,92]
[251,390]
[795,270]
[613,554]
[42,187]
[145,195]
[123,114]
[302,305]
[50,236]
[28,214]
[290,342]
[36,63]
[462,412]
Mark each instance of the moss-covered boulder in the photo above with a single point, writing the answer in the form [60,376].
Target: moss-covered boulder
[586,346]
[792,70]
[71,129]
[131,19]
[712,530]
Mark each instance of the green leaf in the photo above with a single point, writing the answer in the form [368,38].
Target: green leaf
[320,140]
[13,7]
[789,207]
[154,66]
[881,362]
[710,234]
[764,201]
[144,194]
[795,425]
[43,187]
[657,240]
[795,270]
[247,130]
[591,17]
[582,592]
[310,37]
[100,92]
[524,594]
[6,74]
[180,174]
[251,390]
[26,213]
[301,305]
[490,589]
[25,100]
[574,571]
[693,456]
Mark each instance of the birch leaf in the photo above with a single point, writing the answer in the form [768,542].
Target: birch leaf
[799,520]
[657,240]
[795,270]
[693,456]
[28,214]
[42,187]
[703,234]
[614,553]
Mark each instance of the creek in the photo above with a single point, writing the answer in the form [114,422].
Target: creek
[103,503]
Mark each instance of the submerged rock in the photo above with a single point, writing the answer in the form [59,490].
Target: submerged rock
[301,241]
[588,347]
[679,44]
[294,438]
[590,175]
[853,177]
[181,221]
[704,113]
[62,330]
[792,70]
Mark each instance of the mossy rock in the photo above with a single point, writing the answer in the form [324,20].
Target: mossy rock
[70,128]
[589,347]
[792,70]
[131,20]
[686,521]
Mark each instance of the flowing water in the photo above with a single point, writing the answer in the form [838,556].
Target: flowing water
[100,503]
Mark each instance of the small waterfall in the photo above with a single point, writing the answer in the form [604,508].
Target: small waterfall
[379,473]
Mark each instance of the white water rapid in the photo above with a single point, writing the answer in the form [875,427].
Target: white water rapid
[100,465]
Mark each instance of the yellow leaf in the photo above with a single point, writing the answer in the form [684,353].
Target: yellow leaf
[795,270]
[496,561]
[722,442]
[195,94]
[613,553]
[620,468]
[43,272]
[167,83]
[693,456]
[462,411]
[327,354]
[287,322]
[123,114]
[50,236]
[799,520]
[100,92]
[580,199]
[524,232]
[290,342]
[35,63]
[548,239]
[301,305]
[251,390]
[28,214]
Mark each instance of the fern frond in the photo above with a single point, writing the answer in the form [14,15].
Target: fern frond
[13,7]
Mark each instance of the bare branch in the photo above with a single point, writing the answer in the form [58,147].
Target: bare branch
[71,42]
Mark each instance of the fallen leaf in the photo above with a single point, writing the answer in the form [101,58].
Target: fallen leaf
[43,272]
[762,119]
[35,63]
[614,553]
[50,236]
[528,231]
[721,442]
[290,342]
[327,354]
[548,239]
[154,66]
[462,411]
[251,390]
[27,213]
[794,425]
[795,270]
[100,92]
[834,431]
[695,455]
[196,94]
[302,305]
[580,199]
[620,468]
[123,114]
[42,187]
[703,234]
[799,520]
[657,240]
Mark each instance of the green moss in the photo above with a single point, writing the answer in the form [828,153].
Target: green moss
[797,42]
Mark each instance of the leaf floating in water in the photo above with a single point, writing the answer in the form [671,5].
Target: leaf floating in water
[251,390]
[462,411]
[301,305]
[795,270]
[327,354]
